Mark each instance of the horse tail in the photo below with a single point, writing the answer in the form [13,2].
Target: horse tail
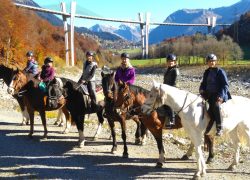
[243,132]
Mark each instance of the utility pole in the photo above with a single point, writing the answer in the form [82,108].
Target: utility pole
[72,18]
[142,34]
[66,33]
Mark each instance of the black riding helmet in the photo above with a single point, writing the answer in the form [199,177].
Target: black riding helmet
[124,55]
[48,60]
[89,53]
[211,57]
[29,54]
[171,57]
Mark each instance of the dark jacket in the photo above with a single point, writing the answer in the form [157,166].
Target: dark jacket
[48,73]
[170,76]
[221,84]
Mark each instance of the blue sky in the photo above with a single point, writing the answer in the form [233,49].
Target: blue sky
[128,9]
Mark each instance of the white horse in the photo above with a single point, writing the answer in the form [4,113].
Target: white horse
[235,118]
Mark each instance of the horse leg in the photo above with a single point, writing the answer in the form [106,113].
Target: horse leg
[124,137]
[100,123]
[80,126]
[43,117]
[158,137]
[26,117]
[196,138]
[59,119]
[112,128]
[189,152]
[68,120]
[210,143]
[138,140]
[31,115]
[144,133]
[236,144]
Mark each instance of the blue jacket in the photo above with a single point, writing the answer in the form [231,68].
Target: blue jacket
[31,67]
[221,84]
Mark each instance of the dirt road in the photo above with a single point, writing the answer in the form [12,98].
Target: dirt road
[58,157]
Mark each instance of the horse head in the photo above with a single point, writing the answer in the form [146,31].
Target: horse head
[19,80]
[124,96]
[108,84]
[154,100]
[6,73]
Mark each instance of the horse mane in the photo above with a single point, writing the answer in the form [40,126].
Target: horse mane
[139,89]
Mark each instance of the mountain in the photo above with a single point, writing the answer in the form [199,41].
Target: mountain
[54,20]
[224,15]
[127,32]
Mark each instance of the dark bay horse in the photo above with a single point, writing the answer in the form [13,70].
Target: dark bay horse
[112,115]
[131,98]
[34,99]
[79,105]
[6,74]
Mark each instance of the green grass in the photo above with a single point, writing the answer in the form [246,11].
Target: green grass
[182,61]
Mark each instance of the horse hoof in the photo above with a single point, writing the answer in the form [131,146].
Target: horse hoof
[158,165]
[66,131]
[113,151]
[185,157]
[232,167]
[81,144]
[138,142]
[209,160]
[61,125]
[94,138]
[56,123]
[125,155]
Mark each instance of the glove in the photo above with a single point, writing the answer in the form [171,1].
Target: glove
[80,82]
[219,100]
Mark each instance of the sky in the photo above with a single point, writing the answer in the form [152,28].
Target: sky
[129,9]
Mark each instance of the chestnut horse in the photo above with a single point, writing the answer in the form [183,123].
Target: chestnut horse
[6,74]
[131,98]
[110,94]
[34,99]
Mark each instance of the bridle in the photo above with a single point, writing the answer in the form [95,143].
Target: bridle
[183,106]
[18,81]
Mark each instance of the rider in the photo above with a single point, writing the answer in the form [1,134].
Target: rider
[32,65]
[48,73]
[125,72]
[88,78]
[170,78]
[214,88]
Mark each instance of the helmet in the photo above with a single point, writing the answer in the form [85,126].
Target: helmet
[211,57]
[29,53]
[124,55]
[89,53]
[48,60]
[171,57]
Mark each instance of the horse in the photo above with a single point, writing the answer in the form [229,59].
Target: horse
[34,99]
[79,104]
[235,118]
[110,94]
[6,74]
[155,120]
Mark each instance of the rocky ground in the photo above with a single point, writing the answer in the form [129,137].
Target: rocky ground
[58,157]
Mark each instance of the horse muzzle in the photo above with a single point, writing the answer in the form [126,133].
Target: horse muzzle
[11,91]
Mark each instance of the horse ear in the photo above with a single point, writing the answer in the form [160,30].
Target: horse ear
[102,74]
[154,83]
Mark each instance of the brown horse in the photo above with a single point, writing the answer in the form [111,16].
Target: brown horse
[6,73]
[110,93]
[131,98]
[34,99]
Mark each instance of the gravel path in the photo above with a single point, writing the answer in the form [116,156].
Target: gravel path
[58,157]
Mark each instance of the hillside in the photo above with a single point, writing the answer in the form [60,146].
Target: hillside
[224,15]
[30,32]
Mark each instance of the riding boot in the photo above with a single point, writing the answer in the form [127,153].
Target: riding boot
[218,120]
